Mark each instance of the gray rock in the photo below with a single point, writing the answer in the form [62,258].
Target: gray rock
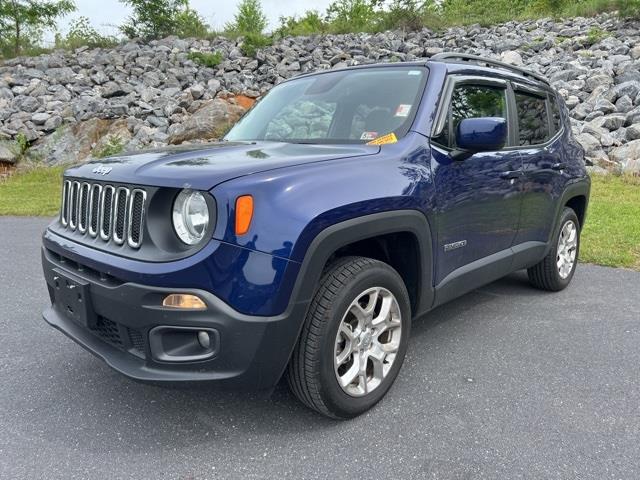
[40,118]
[624,104]
[9,152]
[630,89]
[114,89]
[53,123]
[633,132]
[512,57]
[611,122]
[628,156]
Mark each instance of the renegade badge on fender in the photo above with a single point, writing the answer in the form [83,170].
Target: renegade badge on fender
[342,206]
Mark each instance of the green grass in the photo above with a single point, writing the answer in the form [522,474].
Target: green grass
[206,59]
[611,235]
[32,192]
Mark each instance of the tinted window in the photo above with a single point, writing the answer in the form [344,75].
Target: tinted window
[555,113]
[473,101]
[533,122]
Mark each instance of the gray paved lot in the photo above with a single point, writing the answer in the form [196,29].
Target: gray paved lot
[506,382]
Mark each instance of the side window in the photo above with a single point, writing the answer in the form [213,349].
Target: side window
[533,121]
[472,101]
[302,119]
[555,113]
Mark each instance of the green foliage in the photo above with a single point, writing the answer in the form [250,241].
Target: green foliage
[153,19]
[249,19]
[82,34]
[113,146]
[22,142]
[252,42]
[629,8]
[311,23]
[35,191]
[596,34]
[191,25]
[206,59]
[347,16]
[22,22]
[409,15]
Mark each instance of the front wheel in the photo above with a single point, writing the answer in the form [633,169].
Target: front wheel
[556,270]
[354,339]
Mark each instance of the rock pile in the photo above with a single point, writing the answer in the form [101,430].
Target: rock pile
[71,104]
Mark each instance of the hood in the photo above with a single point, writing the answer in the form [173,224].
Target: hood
[203,167]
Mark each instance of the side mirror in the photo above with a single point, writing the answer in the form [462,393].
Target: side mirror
[484,134]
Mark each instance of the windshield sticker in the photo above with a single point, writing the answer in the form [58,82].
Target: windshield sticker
[403,110]
[415,72]
[368,135]
[384,140]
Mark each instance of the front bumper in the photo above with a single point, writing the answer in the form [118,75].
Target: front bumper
[252,351]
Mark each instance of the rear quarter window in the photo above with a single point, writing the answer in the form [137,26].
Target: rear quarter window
[533,120]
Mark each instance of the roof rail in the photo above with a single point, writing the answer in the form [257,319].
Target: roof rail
[463,57]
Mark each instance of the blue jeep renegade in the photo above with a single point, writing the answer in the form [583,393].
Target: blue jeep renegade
[342,206]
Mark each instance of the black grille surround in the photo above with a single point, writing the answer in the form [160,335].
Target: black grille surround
[113,213]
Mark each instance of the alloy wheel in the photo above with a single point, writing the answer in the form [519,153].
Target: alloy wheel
[367,341]
[567,249]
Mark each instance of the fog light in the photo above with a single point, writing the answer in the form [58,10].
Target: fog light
[204,340]
[185,302]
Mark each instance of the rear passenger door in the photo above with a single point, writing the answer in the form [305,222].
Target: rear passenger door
[539,140]
[478,198]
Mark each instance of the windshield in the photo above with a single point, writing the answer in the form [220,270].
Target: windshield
[350,106]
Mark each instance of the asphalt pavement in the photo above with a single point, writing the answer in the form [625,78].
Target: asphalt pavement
[506,382]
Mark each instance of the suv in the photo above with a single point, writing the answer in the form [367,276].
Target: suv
[342,206]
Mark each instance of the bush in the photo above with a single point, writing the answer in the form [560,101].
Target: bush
[206,59]
[346,16]
[629,8]
[311,23]
[252,42]
[154,19]
[249,19]
[82,34]
[189,24]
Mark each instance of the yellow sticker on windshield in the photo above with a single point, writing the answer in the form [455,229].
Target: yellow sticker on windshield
[384,140]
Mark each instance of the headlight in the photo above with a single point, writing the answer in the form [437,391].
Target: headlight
[190,216]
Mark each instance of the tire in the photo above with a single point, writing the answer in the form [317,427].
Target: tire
[548,275]
[332,333]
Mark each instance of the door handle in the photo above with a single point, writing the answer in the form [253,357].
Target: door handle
[511,174]
[559,166]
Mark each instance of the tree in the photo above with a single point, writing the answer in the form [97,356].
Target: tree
[250,19]
[154,19]
[23,17]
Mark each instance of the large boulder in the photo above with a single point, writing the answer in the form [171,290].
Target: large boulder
[628,156]
[210,122]
[76,143]
[9,152]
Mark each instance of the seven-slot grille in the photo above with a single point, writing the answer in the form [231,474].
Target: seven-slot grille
[112,213]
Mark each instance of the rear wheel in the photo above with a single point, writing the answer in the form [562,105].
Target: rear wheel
[354,339]
[556,270]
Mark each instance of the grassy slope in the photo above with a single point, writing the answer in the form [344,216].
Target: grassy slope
[612,232]
[34,192]
[611,236]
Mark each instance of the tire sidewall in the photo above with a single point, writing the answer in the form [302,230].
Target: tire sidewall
[336,399]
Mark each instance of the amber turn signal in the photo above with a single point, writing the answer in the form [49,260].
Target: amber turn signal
[244,214]
[185,302]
